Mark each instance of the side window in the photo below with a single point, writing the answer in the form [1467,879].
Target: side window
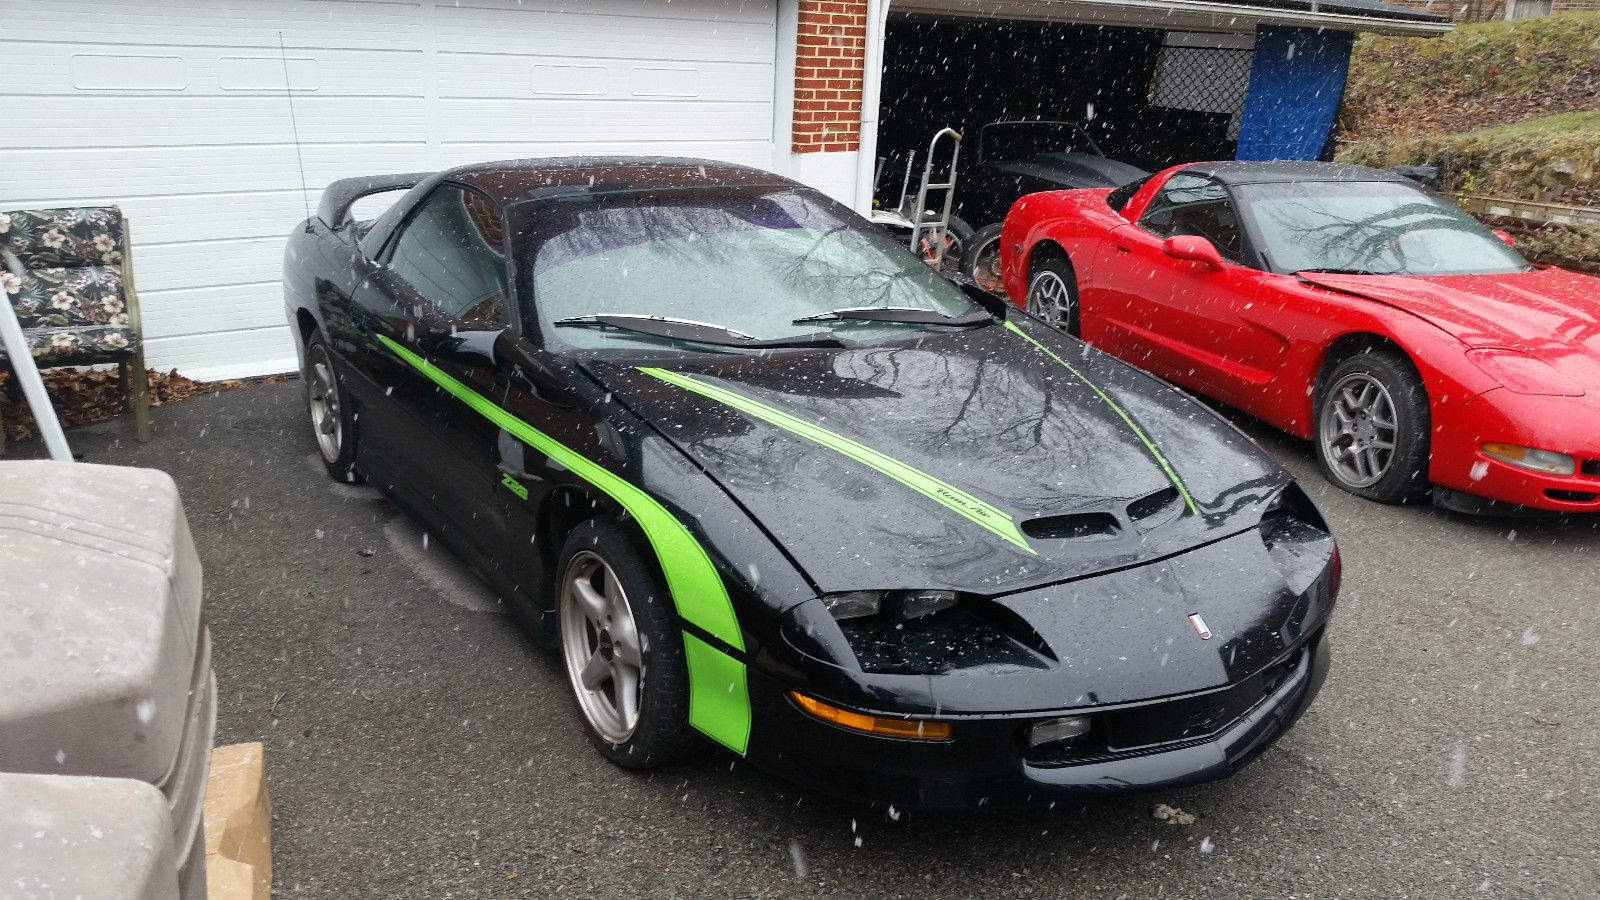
[1195,205]
[453,252]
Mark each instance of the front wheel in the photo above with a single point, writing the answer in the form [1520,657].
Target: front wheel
[1372,428]
[1053,295]
[622,652]
[981,262]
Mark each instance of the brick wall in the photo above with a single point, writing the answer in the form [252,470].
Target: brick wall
[829,51]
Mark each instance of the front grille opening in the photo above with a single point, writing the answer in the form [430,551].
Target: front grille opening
[1570,496]
[1162,503]
[1590,467]
[1077,526]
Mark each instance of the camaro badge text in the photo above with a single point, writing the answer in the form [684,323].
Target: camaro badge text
[1200,627]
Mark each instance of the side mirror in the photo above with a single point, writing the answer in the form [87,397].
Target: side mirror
[1505,236]
[1194,249]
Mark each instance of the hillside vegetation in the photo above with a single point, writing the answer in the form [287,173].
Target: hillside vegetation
[1504,108]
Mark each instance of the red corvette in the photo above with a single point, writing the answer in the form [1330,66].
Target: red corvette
[1349,306]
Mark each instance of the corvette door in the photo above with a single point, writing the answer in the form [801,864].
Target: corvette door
[443,285]
[1188,321]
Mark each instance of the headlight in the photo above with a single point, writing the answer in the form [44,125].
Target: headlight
[902,604]
[1522,374]
[1546,461]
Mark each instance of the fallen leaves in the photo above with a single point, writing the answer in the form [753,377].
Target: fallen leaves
[81,396]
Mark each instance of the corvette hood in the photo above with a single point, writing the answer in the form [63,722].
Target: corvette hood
[972,461]
[1548,313]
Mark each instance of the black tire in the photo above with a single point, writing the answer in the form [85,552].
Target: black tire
[332,415]
[981,262]
[1348,434]
[1053,294]
[661,732]
[957,239]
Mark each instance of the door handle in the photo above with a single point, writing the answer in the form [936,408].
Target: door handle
[1122,249]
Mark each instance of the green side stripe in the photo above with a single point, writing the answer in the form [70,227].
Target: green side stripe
[1138,432]
[953,498]
[718,703]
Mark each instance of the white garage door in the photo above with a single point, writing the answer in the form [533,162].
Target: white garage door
[177,111]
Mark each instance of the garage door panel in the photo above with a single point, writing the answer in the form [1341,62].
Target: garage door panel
[205,310]
[214,263]
[240,23]
[164,172]
[177,219]
[748,11]
[486,75]
[64,69]
[80,121]
[226,354]
[637,121]
[463,30]
[749,153]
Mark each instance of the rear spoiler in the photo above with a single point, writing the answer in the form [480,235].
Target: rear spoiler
[339,196]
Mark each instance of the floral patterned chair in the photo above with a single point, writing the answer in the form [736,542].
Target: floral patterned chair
[68,275]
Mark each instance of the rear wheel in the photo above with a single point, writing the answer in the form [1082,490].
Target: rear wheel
[622,650]
[1372,428]
[1053,294]
[332,419]
[981,262]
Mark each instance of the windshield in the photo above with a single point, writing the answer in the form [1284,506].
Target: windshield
[752,261]
[1381,228]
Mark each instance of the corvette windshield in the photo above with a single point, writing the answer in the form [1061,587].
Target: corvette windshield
[1379,228]
[749,261]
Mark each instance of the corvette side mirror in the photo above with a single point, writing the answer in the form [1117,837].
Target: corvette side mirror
[1193,249]
[1505,236]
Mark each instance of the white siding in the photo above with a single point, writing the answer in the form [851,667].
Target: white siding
[175,110]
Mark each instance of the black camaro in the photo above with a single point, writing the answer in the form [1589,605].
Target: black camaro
[765,477]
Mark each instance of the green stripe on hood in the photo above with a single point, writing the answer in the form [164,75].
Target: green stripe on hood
[1138,432]
[719,702]
[952,498]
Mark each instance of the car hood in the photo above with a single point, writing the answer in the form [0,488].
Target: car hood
[1547,313]
[1074,170]
[971,461]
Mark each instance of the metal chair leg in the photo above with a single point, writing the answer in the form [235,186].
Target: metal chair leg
[138,393]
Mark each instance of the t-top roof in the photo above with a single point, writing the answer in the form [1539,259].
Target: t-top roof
[1249,172]
[514,180]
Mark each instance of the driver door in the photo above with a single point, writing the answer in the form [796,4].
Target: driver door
[1183,319]
[442,282]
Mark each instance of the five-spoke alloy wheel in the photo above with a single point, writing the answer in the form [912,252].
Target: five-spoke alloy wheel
[1053,295]
[332,421]
[622,648]
[1372,427]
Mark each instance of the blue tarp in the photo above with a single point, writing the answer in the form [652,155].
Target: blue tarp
[1296,81]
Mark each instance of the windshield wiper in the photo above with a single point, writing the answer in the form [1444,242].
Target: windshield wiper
[909,315]
[690,330]
[1338,271]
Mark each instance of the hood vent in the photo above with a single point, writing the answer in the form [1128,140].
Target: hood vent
[1155,508]
[1077,526]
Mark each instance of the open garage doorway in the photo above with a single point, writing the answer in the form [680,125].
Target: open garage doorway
[1144,97]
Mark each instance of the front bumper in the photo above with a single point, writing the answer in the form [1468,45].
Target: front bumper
[986,762]
[1568,425]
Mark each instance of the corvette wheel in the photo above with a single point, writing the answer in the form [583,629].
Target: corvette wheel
[623,655]
[1372,428]
[332,421]
[981,262]
[1053,295]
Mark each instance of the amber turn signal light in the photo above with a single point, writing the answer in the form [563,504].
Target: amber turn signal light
[923,729]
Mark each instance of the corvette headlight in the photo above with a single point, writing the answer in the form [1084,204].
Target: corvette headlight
[1546,461]
[1523,374]
[903,604]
